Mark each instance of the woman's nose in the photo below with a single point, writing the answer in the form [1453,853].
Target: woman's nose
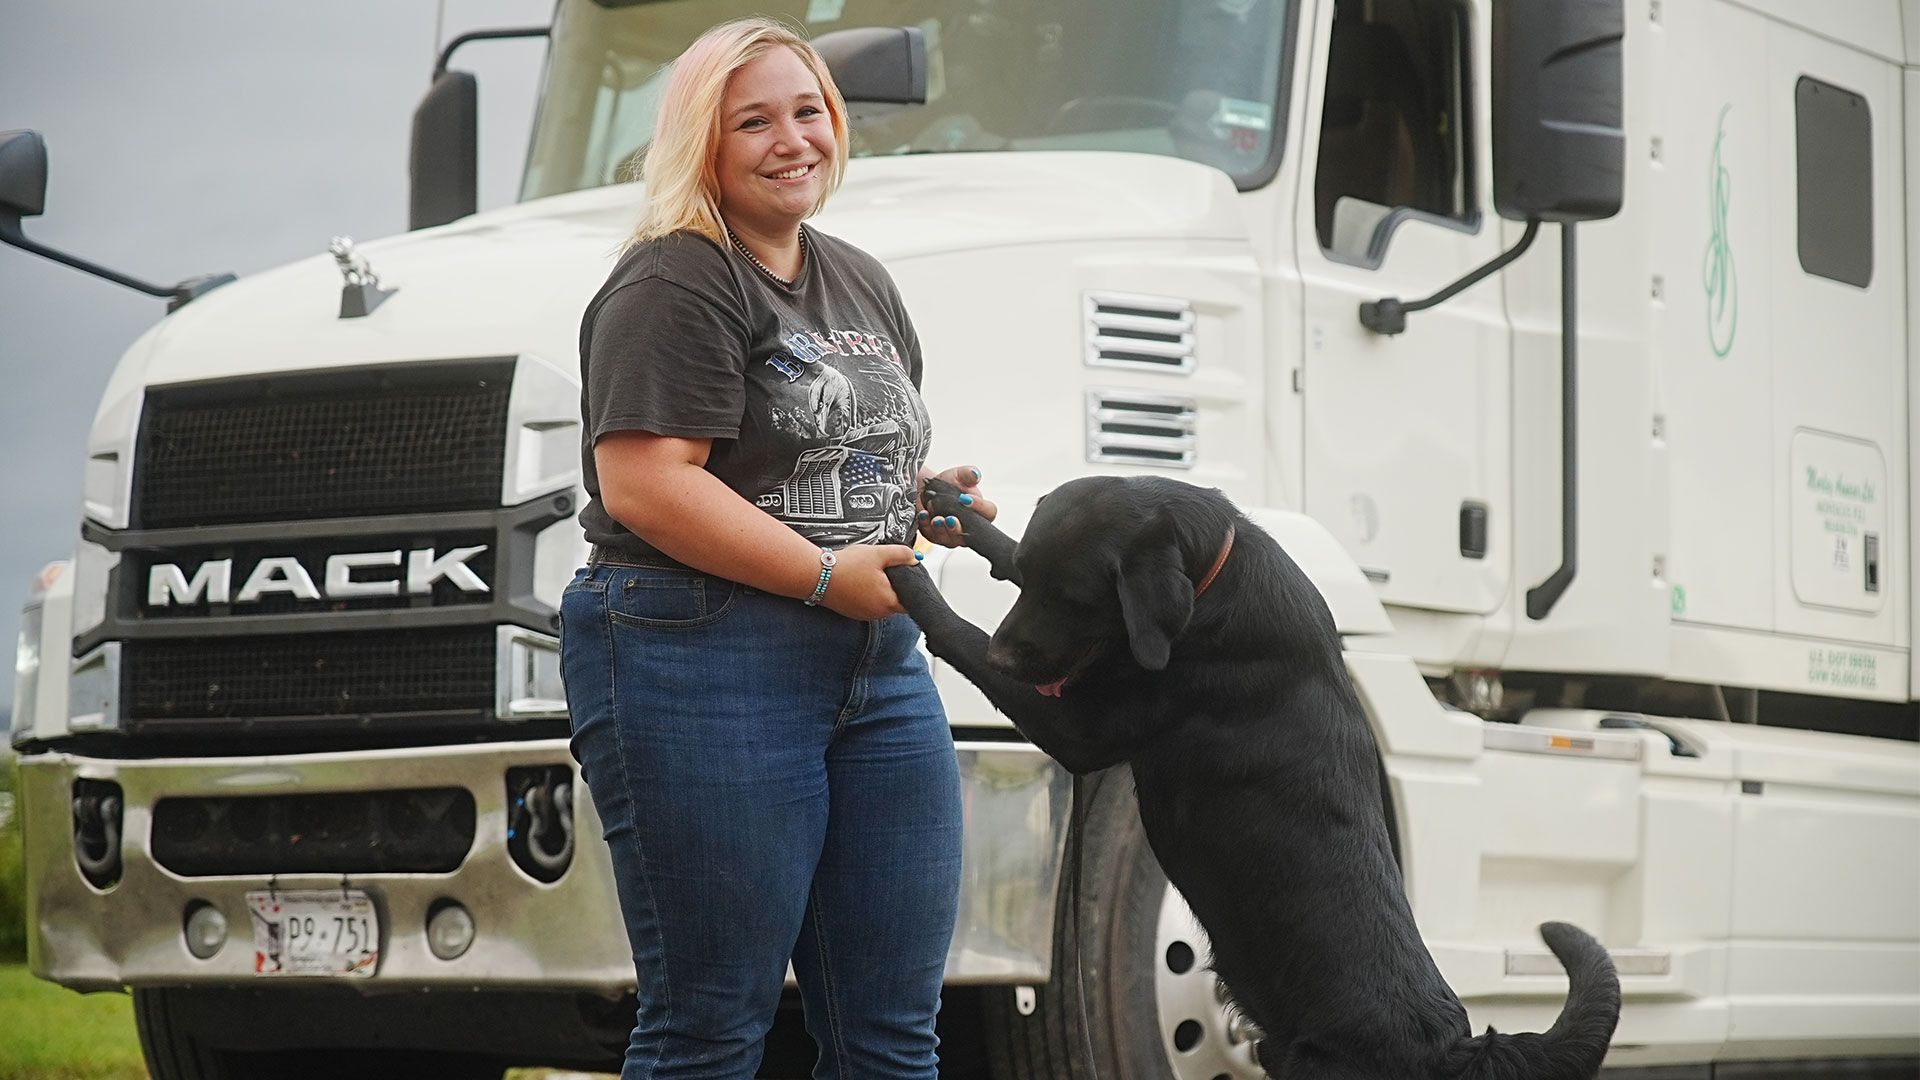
[787,136]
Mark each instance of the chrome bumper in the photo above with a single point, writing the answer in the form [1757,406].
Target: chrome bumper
[566,935]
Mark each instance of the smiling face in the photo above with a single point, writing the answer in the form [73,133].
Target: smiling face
[776,144]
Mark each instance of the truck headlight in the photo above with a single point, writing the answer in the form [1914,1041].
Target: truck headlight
[26,656]
[527,680]
[26,670]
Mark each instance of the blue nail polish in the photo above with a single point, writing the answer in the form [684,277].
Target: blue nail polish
[976,475]
[922,515]
[953,522]
[917,557]
[966,500]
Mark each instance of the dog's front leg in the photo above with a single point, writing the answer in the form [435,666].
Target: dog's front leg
[1052,725]
[943,500]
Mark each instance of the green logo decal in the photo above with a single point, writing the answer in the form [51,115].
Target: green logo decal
[1679,599]
[1717,274]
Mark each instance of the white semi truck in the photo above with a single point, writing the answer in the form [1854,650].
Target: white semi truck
[1620,537]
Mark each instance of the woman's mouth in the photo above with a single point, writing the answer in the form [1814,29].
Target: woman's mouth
[787,176]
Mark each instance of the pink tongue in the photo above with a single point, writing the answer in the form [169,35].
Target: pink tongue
[1051,689]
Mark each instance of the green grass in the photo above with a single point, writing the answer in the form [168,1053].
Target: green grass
[52,1033]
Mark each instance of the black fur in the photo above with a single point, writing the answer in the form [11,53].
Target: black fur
[1257,773]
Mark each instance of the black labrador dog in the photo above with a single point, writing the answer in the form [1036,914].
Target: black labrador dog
[1158,627]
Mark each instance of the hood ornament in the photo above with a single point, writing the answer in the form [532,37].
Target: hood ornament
[362,292]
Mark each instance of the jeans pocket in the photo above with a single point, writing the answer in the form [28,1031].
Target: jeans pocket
[662,599]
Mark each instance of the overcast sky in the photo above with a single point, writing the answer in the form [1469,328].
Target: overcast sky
[193,137]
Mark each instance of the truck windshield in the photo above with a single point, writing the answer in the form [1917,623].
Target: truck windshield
[1195,79]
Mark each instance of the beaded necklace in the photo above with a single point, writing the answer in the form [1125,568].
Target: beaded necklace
[762,267]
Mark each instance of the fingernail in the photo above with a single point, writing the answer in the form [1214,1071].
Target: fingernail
[953,522]
[966,500]
[976,475]
[917,557]
[922,515]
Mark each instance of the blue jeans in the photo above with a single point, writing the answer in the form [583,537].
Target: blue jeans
[776,782]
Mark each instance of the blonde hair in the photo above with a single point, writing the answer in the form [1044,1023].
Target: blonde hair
[683,190]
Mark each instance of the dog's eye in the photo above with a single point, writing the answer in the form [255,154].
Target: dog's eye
[1076,597]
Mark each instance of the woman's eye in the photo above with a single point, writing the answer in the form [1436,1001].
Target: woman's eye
[753,123]
[808,110]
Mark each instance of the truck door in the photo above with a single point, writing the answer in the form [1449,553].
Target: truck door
[1406,437]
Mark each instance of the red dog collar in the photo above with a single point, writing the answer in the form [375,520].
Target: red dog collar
[1217,564]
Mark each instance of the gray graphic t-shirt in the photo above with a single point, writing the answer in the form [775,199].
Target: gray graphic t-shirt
[810,392]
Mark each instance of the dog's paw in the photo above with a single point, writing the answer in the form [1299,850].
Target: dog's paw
[918,594]
[942,499]
[911,583]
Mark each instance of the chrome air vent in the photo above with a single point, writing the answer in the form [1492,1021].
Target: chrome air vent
[1133,428]
[1130,331]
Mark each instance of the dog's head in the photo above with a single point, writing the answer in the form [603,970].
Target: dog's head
[1104,569]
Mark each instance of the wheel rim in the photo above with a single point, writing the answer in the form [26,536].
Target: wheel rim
[1202,1038]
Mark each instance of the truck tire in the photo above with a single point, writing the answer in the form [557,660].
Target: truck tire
[1131,997]
[175,1050]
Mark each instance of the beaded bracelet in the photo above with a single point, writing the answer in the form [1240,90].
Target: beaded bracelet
[827,559]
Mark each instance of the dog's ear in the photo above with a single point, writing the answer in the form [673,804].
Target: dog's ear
[1156,597]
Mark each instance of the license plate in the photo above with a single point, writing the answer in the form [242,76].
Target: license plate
[315,932]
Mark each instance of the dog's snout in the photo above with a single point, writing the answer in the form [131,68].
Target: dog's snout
[1008,657]
[1019,658]
[1028,648]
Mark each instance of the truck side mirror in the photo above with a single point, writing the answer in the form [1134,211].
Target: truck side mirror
[23,194]
[444,163]
[1559,144]
[23,177]
[877,65]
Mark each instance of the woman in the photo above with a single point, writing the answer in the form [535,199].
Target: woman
[761,737]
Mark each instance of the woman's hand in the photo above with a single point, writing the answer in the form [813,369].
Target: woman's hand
[945,531]
[859,588]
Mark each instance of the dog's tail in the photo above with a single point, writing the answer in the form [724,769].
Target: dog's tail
[1574,1046]
[1585,1027]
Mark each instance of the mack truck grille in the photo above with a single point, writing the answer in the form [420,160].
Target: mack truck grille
[271,683]
[419,438]
[327,558]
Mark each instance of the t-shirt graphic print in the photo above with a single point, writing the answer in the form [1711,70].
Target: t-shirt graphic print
[809,391]
[861,431]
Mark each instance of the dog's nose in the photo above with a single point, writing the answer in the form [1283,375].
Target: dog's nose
[1000,654]
[1010,657]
